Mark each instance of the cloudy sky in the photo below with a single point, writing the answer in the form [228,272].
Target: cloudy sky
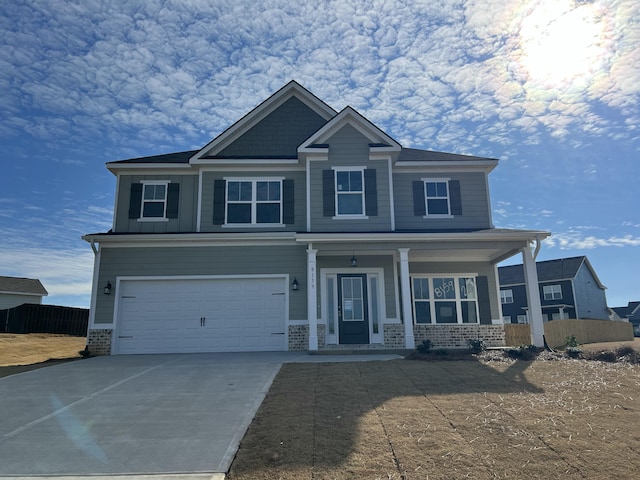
[550,87]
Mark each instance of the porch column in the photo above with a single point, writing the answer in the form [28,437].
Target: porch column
[312,299]
[533,298]
[405,285]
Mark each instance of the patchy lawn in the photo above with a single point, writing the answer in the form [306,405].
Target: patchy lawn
[34,348]
[570,419]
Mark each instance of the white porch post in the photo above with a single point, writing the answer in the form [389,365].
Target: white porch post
[533,297]
[312,299]
[409,341]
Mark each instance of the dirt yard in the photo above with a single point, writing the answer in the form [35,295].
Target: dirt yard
[507,419]
[33,348]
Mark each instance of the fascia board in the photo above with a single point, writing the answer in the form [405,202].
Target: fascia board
[191,239]
[471,165]
[24,294]
[131,168]
[518,236]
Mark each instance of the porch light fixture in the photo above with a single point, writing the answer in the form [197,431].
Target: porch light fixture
[295,285]
[354,261]
[107,288]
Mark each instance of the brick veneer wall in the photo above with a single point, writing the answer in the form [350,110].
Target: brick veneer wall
[457,336]
[99,341]
[299,337]
[394,336]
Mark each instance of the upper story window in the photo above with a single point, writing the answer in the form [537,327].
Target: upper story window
[349,192]
[254,201]
[154,200]
[552,292]
[506,296]
[437,198]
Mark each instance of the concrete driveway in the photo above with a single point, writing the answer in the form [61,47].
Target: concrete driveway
[136,414]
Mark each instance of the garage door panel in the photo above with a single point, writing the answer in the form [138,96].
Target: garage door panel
[163,316]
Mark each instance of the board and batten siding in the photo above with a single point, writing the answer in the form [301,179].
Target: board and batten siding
[349,148]
[591,300]
[196,261]
[473,196]
[187,206]
[206,214]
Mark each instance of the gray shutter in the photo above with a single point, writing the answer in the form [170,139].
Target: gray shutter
[328,193]
[419,205]
[455,200]
[288,208]
[135,200]
[484,302]
[370,192]
[173,197]
[219,192]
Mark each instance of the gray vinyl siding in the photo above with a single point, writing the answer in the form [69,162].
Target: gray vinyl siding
[187,206]
[364,261]
[279,134]
[591,301]
[10,301]
[221,260]
[348,147]
[474,198]
[298,177]
[479,268]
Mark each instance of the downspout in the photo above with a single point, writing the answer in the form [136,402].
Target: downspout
[93,247]
[537,250]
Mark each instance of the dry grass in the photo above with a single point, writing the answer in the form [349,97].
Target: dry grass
[570,419]
[32,348]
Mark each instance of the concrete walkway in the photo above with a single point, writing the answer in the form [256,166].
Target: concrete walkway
[176,416]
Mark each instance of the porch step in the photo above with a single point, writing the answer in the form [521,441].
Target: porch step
[366,349]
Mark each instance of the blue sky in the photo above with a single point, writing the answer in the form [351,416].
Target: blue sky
[550,87]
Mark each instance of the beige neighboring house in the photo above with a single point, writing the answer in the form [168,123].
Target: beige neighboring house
[15,291]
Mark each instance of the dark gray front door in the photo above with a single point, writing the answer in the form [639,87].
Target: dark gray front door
[353,318]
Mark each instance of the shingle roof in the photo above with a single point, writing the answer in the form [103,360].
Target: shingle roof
[562,268]
[177,157]
[22,286]
[417,155]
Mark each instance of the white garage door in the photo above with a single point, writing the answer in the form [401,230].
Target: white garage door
[201,315]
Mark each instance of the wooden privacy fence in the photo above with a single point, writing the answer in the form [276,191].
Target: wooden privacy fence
[585,331]
[34,318]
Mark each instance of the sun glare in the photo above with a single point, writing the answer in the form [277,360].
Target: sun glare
[561,42]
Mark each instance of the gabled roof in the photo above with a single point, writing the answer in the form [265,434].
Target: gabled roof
[291,89]
[378,139]
[549,270]
[177,157]
[22,286]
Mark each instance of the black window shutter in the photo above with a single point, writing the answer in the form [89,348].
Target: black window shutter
[288,208]
[173,197]
[419,205]
[328,194]
[219,201]
[135,200]
[370,192]
[484,303]
[455,199]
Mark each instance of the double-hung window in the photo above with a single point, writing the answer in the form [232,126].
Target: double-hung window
[506,296]
[154,199]
[445,299]
[254,202]
[437,197]
[552,292]
[349,190]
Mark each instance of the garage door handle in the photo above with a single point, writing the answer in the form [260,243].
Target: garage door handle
[203,320]
[125,336]
[277,333]
[280,293]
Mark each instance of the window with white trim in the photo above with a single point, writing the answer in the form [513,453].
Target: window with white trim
[254,201]
[445,299]
[552,292]
[523,319]
[506,319]
[506,296]
[437,196]
[349,192]
[154,199]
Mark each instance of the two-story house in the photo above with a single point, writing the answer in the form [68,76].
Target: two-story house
[630,313]
[300,228]
[569,288]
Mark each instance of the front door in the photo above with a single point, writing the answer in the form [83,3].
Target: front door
[353,319]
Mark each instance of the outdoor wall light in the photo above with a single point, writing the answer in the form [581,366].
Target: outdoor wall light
[354,261]
[295,285]
[107,288]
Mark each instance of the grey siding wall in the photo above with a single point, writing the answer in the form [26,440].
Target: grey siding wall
[10,301]
[279,134]
[591,301]
[473,191]
[481,269]
[220,260]
[364,261]
[187,206]
[348,147]
[298,177]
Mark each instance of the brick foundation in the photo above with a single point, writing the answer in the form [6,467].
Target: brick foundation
[299,337]
[99,341]
[394,336]
[457,336]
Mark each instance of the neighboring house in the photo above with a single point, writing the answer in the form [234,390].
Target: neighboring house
[630,313]
[300,228]
[569,288]
[15,291]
